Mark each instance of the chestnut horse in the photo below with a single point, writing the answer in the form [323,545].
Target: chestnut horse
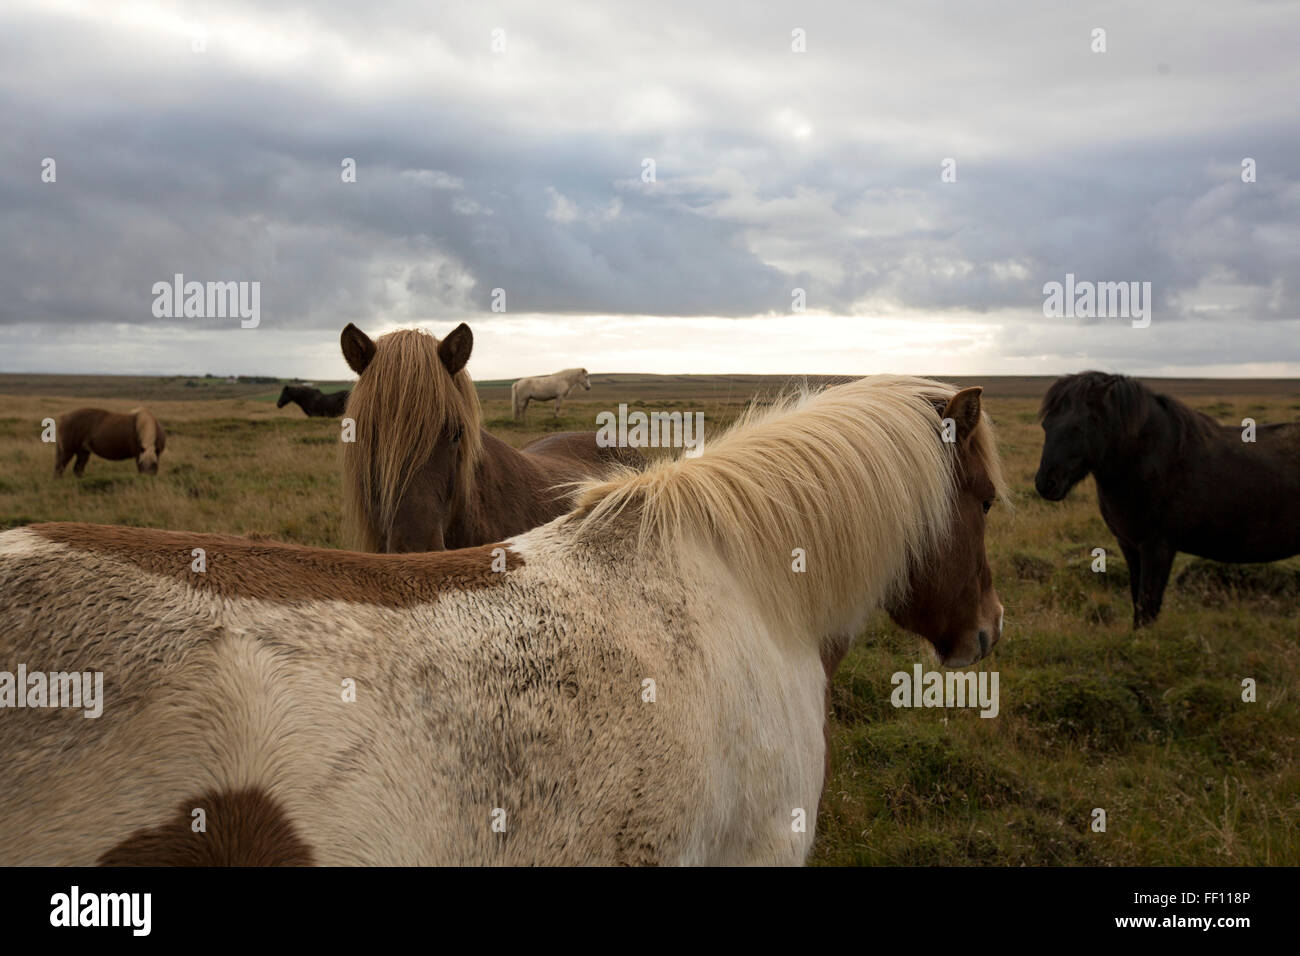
[423,474]
[1170,479]
[112,435]
[543,388]
[314,402]
[640,681]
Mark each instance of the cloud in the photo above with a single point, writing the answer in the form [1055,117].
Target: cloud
[522,170]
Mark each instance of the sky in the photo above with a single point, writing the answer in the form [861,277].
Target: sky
[919,170]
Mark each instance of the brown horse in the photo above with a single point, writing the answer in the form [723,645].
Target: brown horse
[111,435]
[641,681]
[423,474]
[1170,479]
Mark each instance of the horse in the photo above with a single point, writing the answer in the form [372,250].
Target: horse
[1170,479]
[543,388]
[314,402]
[423,474]
[640,681]
[112,435]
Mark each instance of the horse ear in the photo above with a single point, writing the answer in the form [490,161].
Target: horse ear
[358,350]
[455,348]
[964,409]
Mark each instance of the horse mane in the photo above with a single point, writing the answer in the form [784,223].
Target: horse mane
[1127,403]
[403,405]
[146,429]
[866,456]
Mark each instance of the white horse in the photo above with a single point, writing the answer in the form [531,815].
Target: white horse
[543,388]
[641,681]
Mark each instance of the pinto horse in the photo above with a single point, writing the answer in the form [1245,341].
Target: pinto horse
[423,474]
[640,681]
[314,402]
[543,388]
[1170,479]
[112,435]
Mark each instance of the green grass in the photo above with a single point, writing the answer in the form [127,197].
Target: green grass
[1149,726]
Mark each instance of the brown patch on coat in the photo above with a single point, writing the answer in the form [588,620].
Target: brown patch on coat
[243,828]
[289,573]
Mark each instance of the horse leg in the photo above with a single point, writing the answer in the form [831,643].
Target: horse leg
[83,456]
[1157,559]
[61,458]
[1133,558]
[558,399]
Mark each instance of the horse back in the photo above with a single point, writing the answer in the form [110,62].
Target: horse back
[115,437]
[1248,495]
[76,429]
[334,403]
[582,449]
[1220,497]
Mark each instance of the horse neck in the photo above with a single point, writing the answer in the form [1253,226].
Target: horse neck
[744,539]
[511,494]
[1153,446]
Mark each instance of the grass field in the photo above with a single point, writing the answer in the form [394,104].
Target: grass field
[1150,727]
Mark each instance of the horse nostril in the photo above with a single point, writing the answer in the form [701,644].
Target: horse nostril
[984,642]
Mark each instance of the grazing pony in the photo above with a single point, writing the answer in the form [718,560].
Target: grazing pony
[111,435]
[313,401]
[543,388]
[640,681]
[1170,479]
[423,474]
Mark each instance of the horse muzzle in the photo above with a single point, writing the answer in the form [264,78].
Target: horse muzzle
[977,644]
[1050,488]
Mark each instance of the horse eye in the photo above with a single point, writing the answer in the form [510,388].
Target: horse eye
[987,505]
[456,437]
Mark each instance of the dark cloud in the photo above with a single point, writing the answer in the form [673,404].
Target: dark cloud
[522,171]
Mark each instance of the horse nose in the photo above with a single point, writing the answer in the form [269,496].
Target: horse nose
[984,643]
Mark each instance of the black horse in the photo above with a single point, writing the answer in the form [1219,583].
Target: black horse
[313,401]
[1170,479]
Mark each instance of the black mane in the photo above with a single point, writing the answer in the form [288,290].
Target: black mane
[1127,402]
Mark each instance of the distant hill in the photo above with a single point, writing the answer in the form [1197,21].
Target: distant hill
[606,386]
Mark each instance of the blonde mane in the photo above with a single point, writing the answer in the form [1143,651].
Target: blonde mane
[146,430]
[403,406]
[856,475]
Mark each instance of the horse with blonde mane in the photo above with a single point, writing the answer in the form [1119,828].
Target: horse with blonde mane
[112,435]
[543,388]
[423,474]
[641,681]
